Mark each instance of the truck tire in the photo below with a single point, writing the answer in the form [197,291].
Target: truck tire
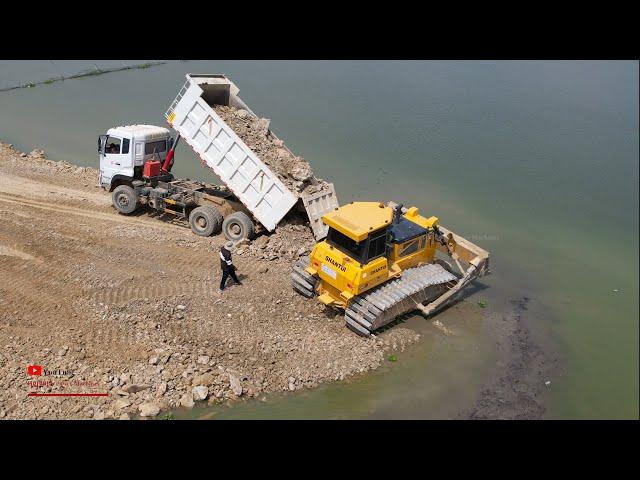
[124,199]
[237,226]
[205,220]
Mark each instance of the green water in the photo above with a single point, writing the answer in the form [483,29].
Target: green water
[537,161]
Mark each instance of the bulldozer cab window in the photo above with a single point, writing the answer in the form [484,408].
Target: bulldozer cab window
[347,245]
[113,145]
[410,247]
[377,245]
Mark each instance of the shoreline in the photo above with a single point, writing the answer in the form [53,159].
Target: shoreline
[517,388]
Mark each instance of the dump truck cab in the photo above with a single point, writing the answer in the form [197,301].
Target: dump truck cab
[367,244]
[135,166]
[124,150]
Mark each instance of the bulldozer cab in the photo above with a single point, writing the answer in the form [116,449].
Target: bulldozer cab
[368,231]
[374,246]
[411,243]
[359,229]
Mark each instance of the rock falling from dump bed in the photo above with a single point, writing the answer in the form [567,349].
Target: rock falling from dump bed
[295,172]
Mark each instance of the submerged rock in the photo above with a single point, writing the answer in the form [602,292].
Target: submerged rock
[149,409]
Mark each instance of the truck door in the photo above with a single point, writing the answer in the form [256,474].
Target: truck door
[117,159]
[103,179]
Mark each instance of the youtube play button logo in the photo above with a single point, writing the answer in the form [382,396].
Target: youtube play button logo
[34,369]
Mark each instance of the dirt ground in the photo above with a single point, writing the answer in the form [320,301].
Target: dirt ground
[128,309]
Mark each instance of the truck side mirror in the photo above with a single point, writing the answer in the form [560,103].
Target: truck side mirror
[102,141]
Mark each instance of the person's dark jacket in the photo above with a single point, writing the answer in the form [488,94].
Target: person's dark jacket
[226,263]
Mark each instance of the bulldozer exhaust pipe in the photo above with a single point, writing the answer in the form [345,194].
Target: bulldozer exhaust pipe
[397,212]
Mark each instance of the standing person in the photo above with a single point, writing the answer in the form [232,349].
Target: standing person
[228,268]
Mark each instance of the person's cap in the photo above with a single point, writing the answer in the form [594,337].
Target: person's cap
[229,245]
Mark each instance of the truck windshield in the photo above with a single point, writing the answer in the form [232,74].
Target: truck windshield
[347,245]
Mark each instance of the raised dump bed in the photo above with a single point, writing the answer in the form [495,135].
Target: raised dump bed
[261,189]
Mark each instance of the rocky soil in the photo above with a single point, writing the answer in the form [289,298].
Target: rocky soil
[128,307]
[294,171]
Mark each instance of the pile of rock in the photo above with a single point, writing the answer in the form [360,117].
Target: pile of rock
[287,244]
[295,172]
[36,153]
[36,162]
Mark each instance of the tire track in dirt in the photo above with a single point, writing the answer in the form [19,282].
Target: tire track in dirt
[40,301]
[59,208]
[131,291]
[18,186]
[44,283]
[184,259]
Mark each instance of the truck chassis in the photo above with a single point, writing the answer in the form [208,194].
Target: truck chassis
[209,209]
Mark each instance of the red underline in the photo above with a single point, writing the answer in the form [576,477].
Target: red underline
[67,394]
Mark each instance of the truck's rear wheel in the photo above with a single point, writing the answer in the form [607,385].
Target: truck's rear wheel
[124,199]
[237,226]
[205,220]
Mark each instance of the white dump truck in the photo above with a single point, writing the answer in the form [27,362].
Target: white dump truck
[136,162]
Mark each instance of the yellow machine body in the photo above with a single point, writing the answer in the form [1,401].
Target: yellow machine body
[366,246]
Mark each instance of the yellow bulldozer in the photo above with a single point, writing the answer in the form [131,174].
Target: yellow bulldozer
[378,261]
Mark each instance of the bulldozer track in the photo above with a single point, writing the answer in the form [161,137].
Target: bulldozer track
[378,307]
[301,281]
